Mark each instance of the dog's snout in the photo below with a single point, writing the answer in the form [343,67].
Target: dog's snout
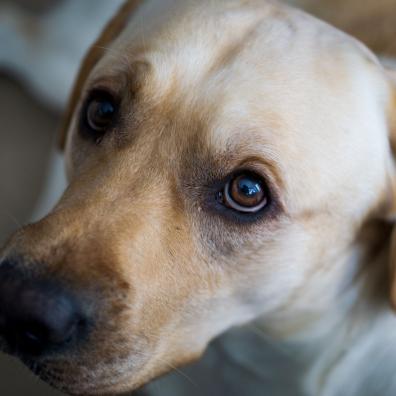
[37,316]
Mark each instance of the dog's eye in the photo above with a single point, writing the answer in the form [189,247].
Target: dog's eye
[246,193]
[100,114]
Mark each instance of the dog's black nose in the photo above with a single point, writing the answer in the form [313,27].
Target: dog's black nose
[36,316]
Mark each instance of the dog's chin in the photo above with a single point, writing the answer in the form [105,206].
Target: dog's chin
[97,385]
[72,387]
[79,374]
[51,378]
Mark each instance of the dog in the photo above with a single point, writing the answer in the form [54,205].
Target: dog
[229,162]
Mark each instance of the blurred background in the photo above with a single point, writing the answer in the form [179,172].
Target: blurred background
[26,135]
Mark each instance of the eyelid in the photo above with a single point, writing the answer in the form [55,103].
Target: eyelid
[102,91]
[265,168]
[269,172]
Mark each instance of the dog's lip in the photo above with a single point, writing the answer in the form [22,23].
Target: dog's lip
[61,381]
[68,384]
[33,366]
[38,369]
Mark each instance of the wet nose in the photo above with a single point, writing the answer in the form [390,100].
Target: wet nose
[36,316]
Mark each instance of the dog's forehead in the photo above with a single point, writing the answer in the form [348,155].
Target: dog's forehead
[193,40]
[247,54]
[271,79]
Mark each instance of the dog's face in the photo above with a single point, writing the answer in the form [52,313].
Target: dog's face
[222,157]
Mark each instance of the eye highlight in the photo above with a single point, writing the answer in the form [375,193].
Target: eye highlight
[246,193]
[99,114]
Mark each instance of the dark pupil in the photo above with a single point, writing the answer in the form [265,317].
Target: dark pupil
[100,114]
[248,187]
[105,110]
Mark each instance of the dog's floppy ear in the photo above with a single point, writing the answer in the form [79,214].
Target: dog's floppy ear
[109,34]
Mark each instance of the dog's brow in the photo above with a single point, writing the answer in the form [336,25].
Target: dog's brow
[130,74]
[239,154]
[236,156]
[137,72]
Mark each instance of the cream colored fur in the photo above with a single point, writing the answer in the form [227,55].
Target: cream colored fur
[220,84]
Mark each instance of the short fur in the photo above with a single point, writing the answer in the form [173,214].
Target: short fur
[208,87]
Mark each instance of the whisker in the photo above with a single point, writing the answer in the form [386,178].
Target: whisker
[261,333]
[171,366]
[182,373]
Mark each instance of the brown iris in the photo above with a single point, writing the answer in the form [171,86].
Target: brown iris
[246,193]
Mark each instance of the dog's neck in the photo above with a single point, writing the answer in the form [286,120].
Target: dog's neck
[355,337]
[349,348]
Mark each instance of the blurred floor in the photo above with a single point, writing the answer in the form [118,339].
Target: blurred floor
[27,134]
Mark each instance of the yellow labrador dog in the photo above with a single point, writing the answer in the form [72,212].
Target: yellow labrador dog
[229,161]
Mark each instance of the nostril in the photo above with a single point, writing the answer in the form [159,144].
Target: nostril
[42,329]
[33,337]
[28,338]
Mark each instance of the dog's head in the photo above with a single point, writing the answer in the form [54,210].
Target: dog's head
[222,158]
